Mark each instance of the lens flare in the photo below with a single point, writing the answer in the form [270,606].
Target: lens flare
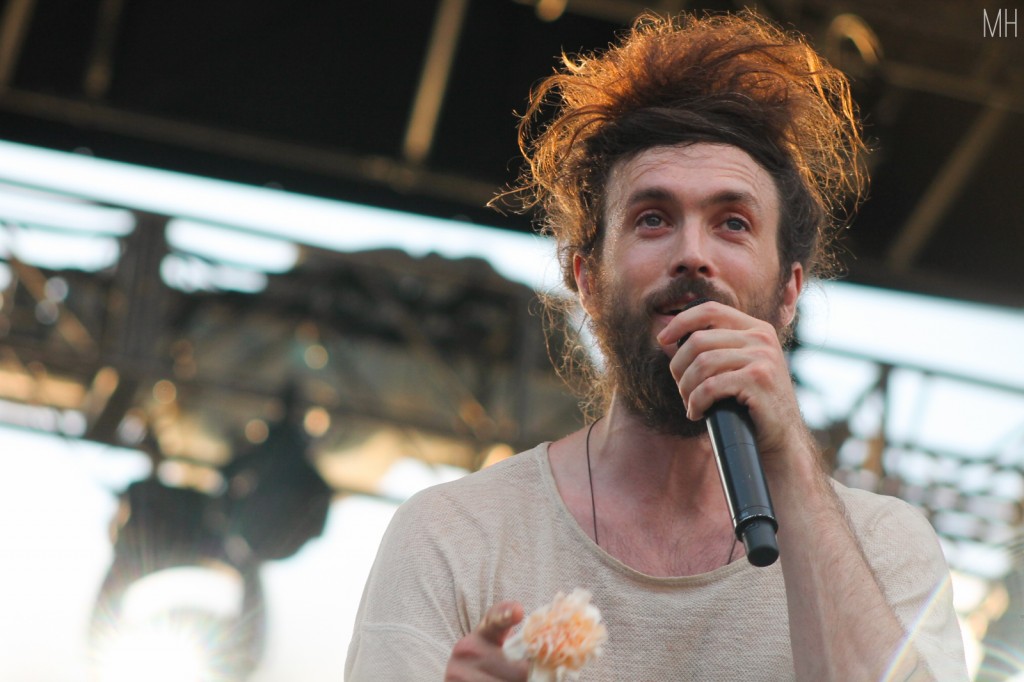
[183,624]
[157,652]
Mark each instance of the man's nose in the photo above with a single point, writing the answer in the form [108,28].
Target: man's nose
[690,254]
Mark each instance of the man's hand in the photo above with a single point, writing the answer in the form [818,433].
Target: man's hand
[730,354]
[478,657]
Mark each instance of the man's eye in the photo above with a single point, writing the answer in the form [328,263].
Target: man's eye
[651,220]
[737,224]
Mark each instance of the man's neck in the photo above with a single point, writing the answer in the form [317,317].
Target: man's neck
[644,464]
[658,498]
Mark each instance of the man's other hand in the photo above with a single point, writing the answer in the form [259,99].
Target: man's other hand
[478,657]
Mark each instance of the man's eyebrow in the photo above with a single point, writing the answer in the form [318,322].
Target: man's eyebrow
[727,196]
[648,194]
[730,196]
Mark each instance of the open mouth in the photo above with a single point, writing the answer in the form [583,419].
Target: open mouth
[675,307]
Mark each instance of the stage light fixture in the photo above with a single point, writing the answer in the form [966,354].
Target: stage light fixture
[176,604]
[276,500]
[183,599]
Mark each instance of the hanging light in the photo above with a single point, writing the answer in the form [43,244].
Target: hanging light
[176,604]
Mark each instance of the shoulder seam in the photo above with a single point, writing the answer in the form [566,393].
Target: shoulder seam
[393,628]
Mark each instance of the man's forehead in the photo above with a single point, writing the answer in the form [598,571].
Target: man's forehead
[724,172]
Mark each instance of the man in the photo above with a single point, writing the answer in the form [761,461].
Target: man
[696,158]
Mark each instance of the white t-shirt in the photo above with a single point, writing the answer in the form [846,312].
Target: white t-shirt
[504,533]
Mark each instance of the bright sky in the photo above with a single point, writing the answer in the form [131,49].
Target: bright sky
[57,497]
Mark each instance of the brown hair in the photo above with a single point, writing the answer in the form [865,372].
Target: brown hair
[727,79]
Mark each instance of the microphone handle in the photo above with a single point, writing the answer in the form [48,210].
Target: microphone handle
[732,436]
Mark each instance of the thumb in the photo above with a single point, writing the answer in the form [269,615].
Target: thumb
[498,620]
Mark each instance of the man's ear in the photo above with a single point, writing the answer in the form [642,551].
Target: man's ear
[584,281]
[791,293]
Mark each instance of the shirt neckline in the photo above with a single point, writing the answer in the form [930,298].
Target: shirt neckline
[580,537]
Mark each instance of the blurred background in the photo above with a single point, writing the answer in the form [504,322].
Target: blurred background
[251,299]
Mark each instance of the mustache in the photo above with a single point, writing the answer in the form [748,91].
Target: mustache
[681,288]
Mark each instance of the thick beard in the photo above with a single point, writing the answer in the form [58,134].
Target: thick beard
[639,371]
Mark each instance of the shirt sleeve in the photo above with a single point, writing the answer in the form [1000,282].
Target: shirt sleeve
[907,559]
[391,651]
[410,615]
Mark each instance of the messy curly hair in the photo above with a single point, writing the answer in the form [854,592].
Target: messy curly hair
[724,79]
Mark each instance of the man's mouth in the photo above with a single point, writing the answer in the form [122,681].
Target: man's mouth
[675,307]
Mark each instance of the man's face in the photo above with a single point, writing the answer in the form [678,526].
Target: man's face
[682,222]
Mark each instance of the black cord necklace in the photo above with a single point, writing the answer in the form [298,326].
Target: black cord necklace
[590,476]
[593,500]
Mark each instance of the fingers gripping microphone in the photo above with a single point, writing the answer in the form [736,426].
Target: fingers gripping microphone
[739,464]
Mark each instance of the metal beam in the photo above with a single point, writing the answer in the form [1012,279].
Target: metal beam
[975,90]
[466,408]
[375,170]
[614,11]
[16,22]
[101,62]
[944,189]
[437,68]
[68,325]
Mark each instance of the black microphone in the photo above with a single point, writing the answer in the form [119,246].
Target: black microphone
[739,465]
